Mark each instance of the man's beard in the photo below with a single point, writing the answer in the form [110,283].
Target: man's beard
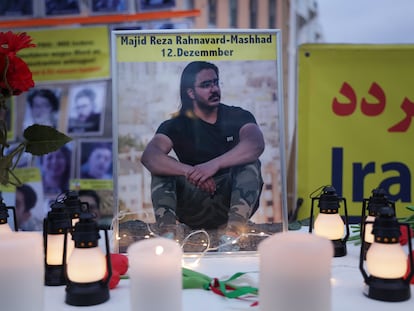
[207,107]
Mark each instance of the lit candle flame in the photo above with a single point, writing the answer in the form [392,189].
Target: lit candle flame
[159,250]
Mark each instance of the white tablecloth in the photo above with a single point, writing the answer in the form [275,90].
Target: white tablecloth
[347,288]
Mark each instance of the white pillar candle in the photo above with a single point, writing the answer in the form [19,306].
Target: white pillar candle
[5,228]
[156,275]
[295,271]
[21,271]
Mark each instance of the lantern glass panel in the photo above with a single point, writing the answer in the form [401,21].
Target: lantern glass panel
[86,265]
[330,226]
[386,261]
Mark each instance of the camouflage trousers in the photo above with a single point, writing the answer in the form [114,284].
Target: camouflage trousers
[235,201]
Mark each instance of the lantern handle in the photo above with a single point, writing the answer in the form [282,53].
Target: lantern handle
[65,250]
[363,215]
[345,238]
[12,208]
[410,254]
[311,214]
[45,240]
[362,252]
[108,256]
[311,195]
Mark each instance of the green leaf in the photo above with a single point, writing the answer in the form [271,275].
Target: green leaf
[411,208]
[42,139]
[294,225]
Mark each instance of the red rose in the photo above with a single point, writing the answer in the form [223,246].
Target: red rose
[119,263]
[404,235]
[115,278]
[408,269]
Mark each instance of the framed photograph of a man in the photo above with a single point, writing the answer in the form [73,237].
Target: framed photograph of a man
[42,107]
[56,169]
[62,7]
[109,6]
[30,203]
[86,108]
[95,159]
[16,8]
[200,135]
[146,5]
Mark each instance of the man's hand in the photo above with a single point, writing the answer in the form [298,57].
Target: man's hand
[209,186]
[201,176]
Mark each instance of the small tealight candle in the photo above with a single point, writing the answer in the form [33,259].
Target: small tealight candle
[156,275]
[295,271]
[21,271]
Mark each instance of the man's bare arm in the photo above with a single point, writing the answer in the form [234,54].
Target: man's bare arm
[156,159]
[249,149]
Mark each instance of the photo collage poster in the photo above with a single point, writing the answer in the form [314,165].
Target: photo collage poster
[23,9]
[76,100]
[85,163]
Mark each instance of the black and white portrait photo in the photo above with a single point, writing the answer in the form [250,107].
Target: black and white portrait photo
[62,7]
[86,107]
[42,107]
[108,6]
[16,8]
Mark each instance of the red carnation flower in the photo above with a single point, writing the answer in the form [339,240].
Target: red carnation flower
[15,75]
[18,78]
[11,43]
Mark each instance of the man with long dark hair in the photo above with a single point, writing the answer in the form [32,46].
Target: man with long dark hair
[216,181]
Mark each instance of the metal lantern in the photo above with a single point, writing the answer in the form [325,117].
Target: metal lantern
[4,215]
[329,223]
[386,261]
[370,209]
[73,205]
[88,269]
[55,226]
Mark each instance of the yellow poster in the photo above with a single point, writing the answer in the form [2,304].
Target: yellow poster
[157,47]
[356,104]
[69,54]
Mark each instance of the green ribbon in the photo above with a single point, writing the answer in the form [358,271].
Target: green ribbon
[193,279]
[236,291]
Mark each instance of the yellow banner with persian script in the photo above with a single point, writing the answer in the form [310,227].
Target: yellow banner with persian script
[69,54]
[157,47]
[355,131]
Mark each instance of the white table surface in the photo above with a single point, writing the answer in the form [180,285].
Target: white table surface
[347,288]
